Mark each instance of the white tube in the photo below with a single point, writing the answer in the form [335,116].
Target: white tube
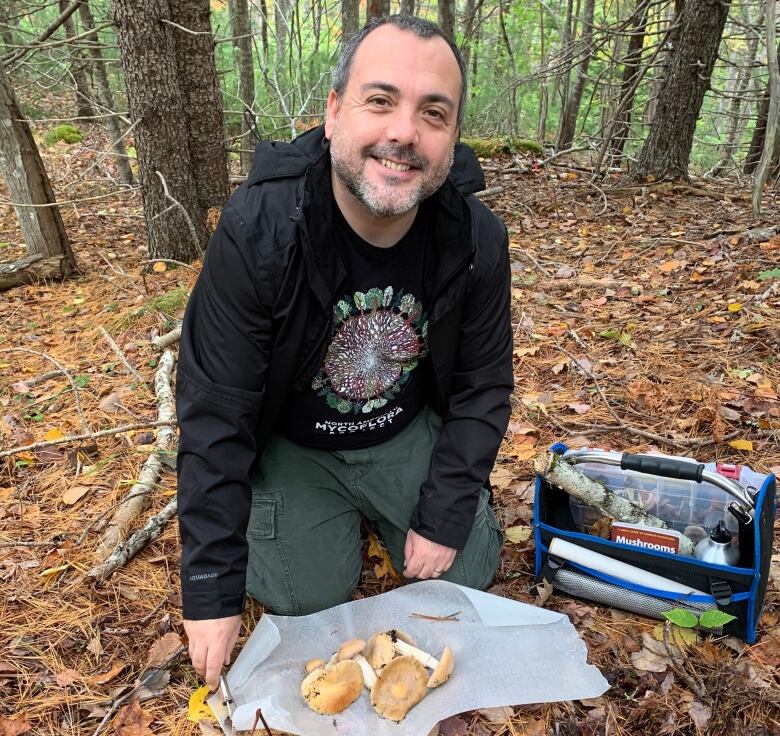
[622,571]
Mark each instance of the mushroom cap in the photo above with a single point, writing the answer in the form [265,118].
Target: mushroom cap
[350,648]
[380,651]
[330,690]
[442,672]
[397,634]
[313,664]
[399,687]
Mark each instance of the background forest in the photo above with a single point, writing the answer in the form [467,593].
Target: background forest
[631,148]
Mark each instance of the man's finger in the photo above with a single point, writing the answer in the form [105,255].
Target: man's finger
[198,658]
[214,661]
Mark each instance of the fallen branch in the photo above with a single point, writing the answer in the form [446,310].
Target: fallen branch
[137,497]
[32,269]
[563,475]
[168,339]
[488,192]
[88,436]
[128,549]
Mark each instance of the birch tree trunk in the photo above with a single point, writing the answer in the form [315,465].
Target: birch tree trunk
[242,54]
[773,118]
[568,124]
[175,222]
[695,44]
[106,97]
[28,184]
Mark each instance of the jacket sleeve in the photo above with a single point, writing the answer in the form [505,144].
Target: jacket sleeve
[219,388]
[478,410]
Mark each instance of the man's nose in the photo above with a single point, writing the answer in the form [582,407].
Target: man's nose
[403,128]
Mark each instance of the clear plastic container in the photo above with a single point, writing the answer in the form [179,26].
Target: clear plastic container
[682,504]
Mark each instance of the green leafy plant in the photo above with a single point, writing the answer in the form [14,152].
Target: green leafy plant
[686,619]
[773,273]
[624,338]
[67,132]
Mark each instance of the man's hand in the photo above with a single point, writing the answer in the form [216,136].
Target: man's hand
[211,642]
[424,559]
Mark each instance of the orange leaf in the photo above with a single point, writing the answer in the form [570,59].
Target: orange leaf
[160,267]
[105,677]
[668,266]
[133,721]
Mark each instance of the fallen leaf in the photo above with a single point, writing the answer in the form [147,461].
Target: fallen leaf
[734,307]
[132,721]
[206,729]
[453,726]
[160,267]
[646,660]
[497,715]
[53,434]
[111,403]
[163,649]
[152,683]
[544,590]
[700,714]
[745,445]
[678,635]
[518,534]
[502,477]
[535,727]
[197,709]
[14,726]
[106,677]
[74,493]
[67,677]
[669,266]
[565,272]
[579,408]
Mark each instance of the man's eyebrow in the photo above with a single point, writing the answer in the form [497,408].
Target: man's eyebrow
[393,90]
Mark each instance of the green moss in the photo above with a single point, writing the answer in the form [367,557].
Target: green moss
[491,147]
[67,133]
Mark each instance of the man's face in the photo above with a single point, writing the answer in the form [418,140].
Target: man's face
[393,130]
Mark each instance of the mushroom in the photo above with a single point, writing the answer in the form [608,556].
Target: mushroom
[442,672]
[313,664]
[369,676]
[380,651]
[349,649]
[396,634]
[330,690]
[399,687]
[405,649]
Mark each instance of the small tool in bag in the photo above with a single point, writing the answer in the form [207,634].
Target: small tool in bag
[723,514]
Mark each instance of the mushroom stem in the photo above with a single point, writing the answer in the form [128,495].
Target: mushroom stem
[426,659]
[369,676]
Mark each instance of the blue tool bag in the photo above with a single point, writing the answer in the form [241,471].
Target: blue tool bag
[701,501]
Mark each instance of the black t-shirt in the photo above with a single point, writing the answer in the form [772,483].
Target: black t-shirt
[372,381]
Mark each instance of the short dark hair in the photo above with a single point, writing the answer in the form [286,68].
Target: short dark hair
[420,27]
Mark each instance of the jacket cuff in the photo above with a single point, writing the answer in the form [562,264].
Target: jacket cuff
[441,531]
[201,605]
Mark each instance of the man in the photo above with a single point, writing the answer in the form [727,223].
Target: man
[346,353]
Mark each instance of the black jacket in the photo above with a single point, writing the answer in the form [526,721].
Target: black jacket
[257,326]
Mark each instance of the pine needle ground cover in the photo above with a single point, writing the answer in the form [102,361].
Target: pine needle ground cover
[645,318]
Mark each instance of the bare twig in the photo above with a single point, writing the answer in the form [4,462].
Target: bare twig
[118,352]
[259,717]
[184,212]
[168,339]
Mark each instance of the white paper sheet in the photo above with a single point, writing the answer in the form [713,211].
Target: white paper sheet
[506,653]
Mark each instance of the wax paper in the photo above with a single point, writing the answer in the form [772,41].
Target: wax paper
[506,653]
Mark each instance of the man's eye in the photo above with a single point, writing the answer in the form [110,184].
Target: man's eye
[380,101]
[437,114]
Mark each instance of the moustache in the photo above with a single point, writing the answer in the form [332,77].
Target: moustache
[401,154]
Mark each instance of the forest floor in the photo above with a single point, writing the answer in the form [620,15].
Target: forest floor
[644,320]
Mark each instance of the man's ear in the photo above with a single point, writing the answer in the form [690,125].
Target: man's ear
[331,111]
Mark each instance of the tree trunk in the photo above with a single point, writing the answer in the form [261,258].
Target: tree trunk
[695,43]
[84,107]
[563,79]
[28,183]
[350,18]
[759,132]
[541,128]
[512,69]
[106,98]
[630,70]
[200,92]
[377,9]
[147,46]
[447,18]
[264,27]
[568,123]
[735,128]
[281,28]
[242,55]
[407,6]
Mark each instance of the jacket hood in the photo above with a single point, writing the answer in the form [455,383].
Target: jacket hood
[282,159]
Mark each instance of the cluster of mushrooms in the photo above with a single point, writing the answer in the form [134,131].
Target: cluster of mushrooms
[390,666]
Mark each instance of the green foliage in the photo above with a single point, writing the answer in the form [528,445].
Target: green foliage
[491,147]
[67,133]
[771,274]
[686,619]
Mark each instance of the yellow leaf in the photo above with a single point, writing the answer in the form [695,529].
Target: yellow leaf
[159,267]
[79,300]
[197,709]
[54,570]
[5,365]
[746,445]
[734,307]
[678,635]
[517,534]
[53,434]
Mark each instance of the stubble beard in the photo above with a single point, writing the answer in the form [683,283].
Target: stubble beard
[381,201]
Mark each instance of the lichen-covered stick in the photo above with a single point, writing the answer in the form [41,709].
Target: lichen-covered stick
[556,471]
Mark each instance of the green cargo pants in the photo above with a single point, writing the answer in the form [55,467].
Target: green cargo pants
[304,529]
